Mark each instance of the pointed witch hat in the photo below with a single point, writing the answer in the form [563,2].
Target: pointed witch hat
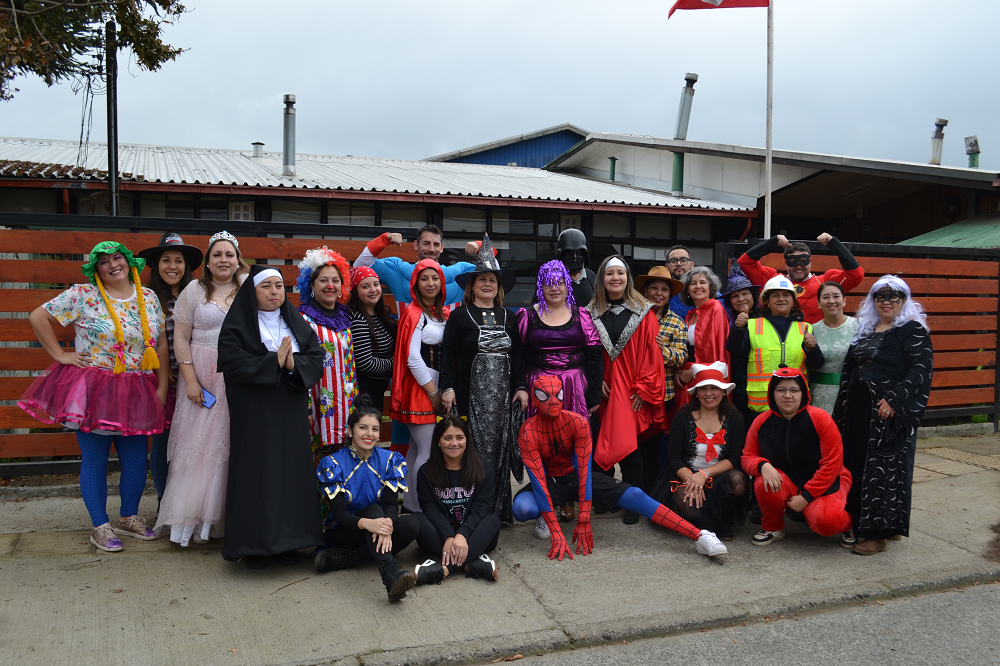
[487,262]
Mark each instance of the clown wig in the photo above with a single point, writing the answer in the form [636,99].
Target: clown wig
[310,266]
[553,273]
[868,316]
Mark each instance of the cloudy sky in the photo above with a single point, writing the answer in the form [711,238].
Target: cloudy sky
[387,78]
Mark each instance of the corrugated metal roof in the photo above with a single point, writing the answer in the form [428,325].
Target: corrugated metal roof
[979,231]
[41,158]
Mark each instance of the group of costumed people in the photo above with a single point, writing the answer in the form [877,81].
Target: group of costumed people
[764,400]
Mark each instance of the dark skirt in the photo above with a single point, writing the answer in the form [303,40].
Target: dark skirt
[721,509]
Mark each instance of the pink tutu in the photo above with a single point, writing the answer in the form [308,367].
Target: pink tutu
[91,399]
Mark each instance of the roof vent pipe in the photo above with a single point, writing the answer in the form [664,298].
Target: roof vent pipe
[288,149]
[258,149]
[937,140]
[681,131]
[972,150]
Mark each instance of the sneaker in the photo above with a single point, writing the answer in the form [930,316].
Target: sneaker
[765,537]
[336,559]
[848,540]
[429,572]
[483,567]
[105,539]
[135,527]
[541,529]
[709,544]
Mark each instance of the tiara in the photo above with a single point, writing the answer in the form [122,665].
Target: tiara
[225,235]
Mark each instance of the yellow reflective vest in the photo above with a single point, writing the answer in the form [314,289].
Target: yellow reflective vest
[767,352]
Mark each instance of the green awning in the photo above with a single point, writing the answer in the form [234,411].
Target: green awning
[979,231]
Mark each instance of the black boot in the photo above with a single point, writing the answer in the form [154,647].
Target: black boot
[397,581]
[336,559]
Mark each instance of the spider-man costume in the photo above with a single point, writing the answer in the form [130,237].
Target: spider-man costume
[556,449]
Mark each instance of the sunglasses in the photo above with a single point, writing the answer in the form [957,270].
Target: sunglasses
[798,260]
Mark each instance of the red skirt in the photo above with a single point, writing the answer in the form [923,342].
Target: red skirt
[91,399]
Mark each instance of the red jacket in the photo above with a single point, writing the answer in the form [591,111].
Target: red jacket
[759,274]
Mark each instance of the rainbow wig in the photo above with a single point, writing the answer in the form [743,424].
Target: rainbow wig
[550,274]
[314,260]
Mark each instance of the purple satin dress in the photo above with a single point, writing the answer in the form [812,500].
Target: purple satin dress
[559,351]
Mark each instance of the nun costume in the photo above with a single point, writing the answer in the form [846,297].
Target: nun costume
[271,503]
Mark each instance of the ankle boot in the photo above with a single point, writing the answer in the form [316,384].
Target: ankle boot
[397,581]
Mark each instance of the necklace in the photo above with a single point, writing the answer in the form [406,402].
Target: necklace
[228,285]
[276,336]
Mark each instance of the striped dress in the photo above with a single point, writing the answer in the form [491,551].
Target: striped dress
[332,398]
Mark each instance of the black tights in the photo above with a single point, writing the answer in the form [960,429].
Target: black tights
[722,503]
[482,540]
[404,531]
[631,468]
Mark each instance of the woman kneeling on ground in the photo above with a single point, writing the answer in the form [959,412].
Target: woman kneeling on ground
[362,483]
[456,491]
[795,455]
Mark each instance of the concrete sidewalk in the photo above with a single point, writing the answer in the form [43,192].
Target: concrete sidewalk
[61,602]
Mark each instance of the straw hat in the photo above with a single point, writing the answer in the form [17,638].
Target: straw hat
[659,273]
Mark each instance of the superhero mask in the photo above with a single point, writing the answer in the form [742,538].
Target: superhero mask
[547,395]
[571,248]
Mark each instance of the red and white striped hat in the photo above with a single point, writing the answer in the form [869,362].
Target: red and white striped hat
[714,374]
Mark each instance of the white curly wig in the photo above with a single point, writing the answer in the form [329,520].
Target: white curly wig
[868,316]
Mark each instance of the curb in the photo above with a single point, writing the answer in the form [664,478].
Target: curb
[11,493]
[959,430]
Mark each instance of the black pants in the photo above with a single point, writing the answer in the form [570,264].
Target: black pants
[404,531]
[482,540]
[605,491]
[375,388]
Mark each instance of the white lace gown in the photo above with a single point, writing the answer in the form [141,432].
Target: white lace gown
[194,503]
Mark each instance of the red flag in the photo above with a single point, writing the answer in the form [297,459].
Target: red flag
[715,4]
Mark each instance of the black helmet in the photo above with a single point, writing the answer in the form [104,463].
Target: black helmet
[571,248]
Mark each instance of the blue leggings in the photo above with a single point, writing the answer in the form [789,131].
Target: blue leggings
[158,462]
[633,499]
[95,450]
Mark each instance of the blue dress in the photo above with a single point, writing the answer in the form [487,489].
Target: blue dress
[361,480]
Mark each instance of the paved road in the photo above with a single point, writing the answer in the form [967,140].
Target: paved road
[955,627]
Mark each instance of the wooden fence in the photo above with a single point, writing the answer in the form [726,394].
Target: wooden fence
[958,288]
[54,263]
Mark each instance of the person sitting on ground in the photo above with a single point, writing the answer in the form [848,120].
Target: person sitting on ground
[798,260]
[456,490]
[796,457]
[362,483]
[556,448]
[702,480]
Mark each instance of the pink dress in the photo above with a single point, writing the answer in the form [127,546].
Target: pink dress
[194,502]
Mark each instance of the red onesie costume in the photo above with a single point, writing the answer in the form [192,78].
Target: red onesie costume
[556,449]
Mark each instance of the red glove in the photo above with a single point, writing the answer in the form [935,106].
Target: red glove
[559,546]
[583,536]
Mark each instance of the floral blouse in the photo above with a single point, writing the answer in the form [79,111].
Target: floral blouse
[82,306]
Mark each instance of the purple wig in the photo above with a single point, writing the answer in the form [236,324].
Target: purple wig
[552,273]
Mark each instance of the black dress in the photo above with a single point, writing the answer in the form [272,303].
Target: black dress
[482,360]
[271,501]
[896,365]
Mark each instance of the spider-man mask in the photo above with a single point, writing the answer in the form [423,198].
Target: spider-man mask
[547,395]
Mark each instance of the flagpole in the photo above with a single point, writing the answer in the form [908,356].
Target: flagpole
[770,94]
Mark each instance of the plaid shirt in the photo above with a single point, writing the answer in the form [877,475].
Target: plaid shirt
[675,351]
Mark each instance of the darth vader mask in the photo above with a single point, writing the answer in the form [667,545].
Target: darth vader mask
[572,250]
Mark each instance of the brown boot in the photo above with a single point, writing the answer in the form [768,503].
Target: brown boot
[871,546]
[566,513]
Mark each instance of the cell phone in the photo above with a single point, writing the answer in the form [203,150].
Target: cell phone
[207,399]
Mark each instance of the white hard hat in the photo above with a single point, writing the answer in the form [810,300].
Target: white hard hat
[777,283]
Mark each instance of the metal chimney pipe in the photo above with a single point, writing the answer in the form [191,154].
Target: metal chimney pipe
[681,131]
[288,157]
[972,150]
[258,149]
[937,140]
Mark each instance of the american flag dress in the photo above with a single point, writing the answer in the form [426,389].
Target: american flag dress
[332,398]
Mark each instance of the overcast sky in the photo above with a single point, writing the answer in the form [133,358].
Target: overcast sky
[410,80]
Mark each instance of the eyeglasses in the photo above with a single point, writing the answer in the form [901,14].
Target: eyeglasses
[888,297]
[681,260]
[788,391]
[798,260]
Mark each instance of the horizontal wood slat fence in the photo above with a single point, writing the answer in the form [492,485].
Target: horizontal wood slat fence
[958,290]
[53,263]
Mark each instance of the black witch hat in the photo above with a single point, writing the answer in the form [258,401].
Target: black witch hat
[487,262]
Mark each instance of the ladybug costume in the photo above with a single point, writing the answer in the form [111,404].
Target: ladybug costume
[557,449]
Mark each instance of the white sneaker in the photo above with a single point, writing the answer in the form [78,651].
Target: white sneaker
[541,529]
[709,544]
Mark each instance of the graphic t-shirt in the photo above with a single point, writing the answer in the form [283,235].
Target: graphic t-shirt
[455,497]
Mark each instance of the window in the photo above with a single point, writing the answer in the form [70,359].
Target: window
[28,201]
[179,206]
[241,211]
[411,217]
[658,227]
[284,210]
[464,219]
[693,228]
[350,212]
[153,205]
[611,226]
[570,222]
[505,222]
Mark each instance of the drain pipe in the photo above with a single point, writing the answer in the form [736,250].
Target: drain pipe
[613,161]
[681,131]
[288,157]
[972,150]
[937,140]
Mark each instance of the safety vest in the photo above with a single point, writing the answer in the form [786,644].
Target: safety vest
[767,352]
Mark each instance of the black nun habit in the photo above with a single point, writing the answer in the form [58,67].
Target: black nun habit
[271,503]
